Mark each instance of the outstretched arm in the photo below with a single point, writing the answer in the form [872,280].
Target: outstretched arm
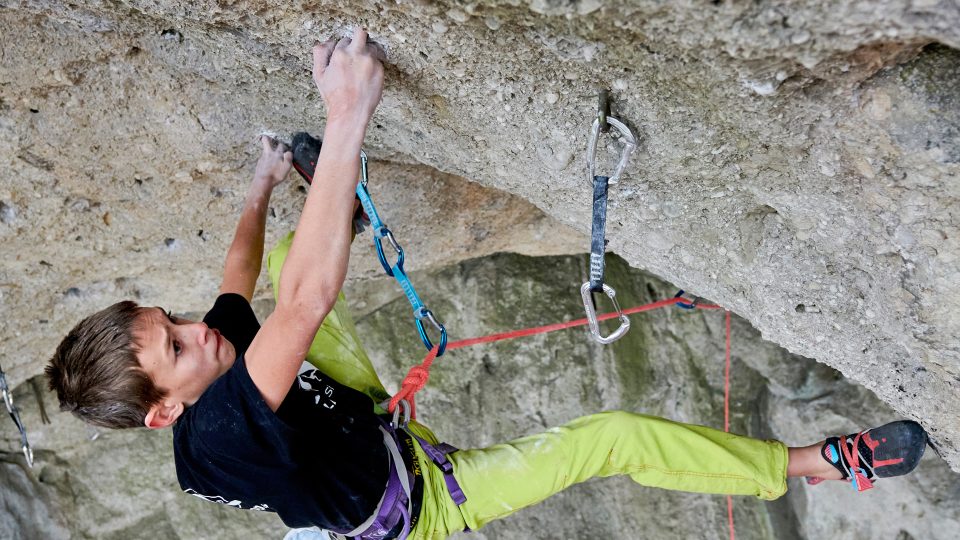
[349,76]
[244,258]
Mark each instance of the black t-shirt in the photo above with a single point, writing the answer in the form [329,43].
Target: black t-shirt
[318,461]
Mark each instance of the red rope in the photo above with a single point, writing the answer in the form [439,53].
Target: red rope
[418,375]
[726,412]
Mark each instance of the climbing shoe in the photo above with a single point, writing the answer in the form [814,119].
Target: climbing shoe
[306,150]
[890,450]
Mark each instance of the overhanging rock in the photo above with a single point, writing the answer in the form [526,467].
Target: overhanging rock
[798,164]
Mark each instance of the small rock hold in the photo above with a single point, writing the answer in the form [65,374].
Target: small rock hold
[7,213]
[672,209]
[800,37]
[80,205]
[458,15]
[172,35]
[440,28]
[586,7]
[552,97]
[761,88]
[171,243]
[492,23]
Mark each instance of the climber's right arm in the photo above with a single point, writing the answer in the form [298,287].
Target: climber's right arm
[349,75]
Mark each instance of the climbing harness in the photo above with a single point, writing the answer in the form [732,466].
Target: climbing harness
[396,506]
[381,231]
[15,415]
[437,453]
[597,241]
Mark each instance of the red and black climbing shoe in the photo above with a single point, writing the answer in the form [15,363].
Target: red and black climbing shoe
[890,450]
[306,150]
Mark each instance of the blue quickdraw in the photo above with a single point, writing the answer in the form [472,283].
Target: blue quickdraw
[380,232]
[686,305]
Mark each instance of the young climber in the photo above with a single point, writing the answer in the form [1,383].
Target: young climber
[315,447]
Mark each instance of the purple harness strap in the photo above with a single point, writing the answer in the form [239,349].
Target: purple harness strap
[438,455]
[394,507]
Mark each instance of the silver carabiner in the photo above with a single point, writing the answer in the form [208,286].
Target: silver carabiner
[7,394]
[363,168]
[628,139]
[28,453]
[591,310]
[402,404]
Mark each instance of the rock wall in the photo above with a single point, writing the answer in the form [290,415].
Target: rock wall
[121,485]
[798,161]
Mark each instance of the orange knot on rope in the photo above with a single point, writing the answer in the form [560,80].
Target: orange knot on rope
[415,380]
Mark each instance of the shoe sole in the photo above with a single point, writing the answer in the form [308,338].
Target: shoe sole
[900,446]
[306,150]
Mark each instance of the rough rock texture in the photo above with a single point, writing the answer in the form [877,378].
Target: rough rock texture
[798,161]
[670,364]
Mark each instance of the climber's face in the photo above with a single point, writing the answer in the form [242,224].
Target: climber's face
[182,358]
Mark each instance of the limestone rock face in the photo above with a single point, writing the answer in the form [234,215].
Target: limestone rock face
[798,162]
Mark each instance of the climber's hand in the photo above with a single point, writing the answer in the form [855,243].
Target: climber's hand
[349,75]
[274,162]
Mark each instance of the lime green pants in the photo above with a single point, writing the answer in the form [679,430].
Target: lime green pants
[504,478]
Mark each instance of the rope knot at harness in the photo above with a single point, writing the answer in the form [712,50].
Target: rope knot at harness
[417,377]
[415,380]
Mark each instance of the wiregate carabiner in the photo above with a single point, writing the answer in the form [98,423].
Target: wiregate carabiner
[628,139]
[591,310]
[7,394]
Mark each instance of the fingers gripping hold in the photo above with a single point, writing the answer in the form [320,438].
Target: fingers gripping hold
[267,142]
[359,41]
[321,57]
[349,75]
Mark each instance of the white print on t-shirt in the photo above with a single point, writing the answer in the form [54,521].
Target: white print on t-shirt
[220,500]
[311,382]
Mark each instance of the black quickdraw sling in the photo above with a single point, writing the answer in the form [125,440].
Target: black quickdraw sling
[597,238]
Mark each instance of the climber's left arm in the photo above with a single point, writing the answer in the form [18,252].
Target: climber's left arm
[244,258]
